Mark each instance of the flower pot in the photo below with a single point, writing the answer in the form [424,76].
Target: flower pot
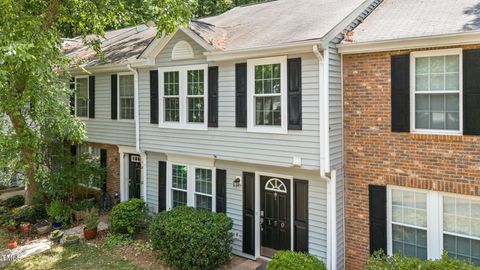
[12,244]
[79,215]
[43,227]
[25,228]
[57,225]
[56,235]
[72,240]
[89,233]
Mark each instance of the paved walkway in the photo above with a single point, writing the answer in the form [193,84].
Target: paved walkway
[239,263]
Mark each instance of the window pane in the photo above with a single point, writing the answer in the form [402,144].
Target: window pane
[82,97]
[452,81]
[409,207]
[461,216]
[267,79]
[452,63]
[171,83]
[203,181]
[268,111]
[203,202]
[196,110]
[408,241]
[195,83]
[179,198]
[179,177]
[437,73]
[127,106]
[421,65]
[437,111]
[462,248]
[437,82]
[172,110]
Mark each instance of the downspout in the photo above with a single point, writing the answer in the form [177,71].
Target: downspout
[323,97]
[137,130]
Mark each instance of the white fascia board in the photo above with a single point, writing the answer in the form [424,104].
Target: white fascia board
[261,52]
[410,43]
[155,47]
[137,63]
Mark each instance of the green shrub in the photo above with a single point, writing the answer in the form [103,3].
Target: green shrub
[379,261]
[39,212]
[59,211]
[129,217]
[5,215]
[192,239]
[23,213]
[15,201]
[286,260]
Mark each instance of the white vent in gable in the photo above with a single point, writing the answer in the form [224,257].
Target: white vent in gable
[182,50]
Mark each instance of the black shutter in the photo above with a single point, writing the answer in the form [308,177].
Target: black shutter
[249,213]
[72,97]
[91,97]
[400,82]
[103,164]
[241,95]
[300,221]
[154,96]
[221,191]
[471,92]
[377,199]
[162,186]
[114,96]
[294,70]
[213,96]
[73,150]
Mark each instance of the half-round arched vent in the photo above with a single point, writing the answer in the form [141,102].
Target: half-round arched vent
[182,50]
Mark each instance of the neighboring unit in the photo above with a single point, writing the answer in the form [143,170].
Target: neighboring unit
[239,113]
[411,87]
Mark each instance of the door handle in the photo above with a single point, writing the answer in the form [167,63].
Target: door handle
[275,223]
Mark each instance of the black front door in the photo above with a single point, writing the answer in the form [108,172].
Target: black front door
[134,176]
[274,215]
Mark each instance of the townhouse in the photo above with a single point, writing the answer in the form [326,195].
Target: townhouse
[239,113]
[411,88]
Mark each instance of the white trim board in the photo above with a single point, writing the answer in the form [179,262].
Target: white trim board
[410,43]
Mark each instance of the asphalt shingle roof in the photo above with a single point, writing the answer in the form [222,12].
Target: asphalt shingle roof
[396,19]
[275,23]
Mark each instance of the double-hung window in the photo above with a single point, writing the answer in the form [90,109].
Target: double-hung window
[183,97]
[81,96]
[191,186]
[437,91]
[267,96]
[126,96]
[424,223]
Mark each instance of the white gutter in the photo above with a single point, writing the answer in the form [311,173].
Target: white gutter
[137,131]
[323,109]
[410,43]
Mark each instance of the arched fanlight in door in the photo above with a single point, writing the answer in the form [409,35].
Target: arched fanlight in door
[276,185]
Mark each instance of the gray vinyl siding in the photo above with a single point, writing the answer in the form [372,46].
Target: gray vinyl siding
[102,129]
[228,142]
[317,199]
[336,127]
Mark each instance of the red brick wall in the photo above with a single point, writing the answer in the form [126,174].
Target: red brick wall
[375,155]
[113,167]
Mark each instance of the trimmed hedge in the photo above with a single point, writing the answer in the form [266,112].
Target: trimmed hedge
[286,260]
[192,239]
[129,217]
[379,261]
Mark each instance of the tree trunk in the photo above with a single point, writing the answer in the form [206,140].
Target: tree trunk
[32,185]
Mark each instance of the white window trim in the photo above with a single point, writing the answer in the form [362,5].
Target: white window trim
[444,52]
[183,106]
[88,96]
[190,184]
[434,219]
[251,126]
[118,97]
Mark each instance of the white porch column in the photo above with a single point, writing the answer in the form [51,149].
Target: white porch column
[122,176]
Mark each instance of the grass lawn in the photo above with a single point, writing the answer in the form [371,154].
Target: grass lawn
[82,256]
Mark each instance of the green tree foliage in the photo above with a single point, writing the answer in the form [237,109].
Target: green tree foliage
[34,112]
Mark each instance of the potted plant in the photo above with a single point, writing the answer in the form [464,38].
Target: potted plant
[91,222]
[72,240]
[11,225]
[43,226]
[80,208]
[25,227]
[11,244]
[56,235]
[59,213]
